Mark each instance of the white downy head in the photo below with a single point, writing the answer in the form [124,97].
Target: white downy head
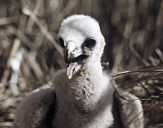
[82,41]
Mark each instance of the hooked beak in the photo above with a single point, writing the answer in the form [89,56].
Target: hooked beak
[73,59]
[74,65]
[72,69]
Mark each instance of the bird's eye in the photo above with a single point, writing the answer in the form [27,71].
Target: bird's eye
[89,43]
[61,42]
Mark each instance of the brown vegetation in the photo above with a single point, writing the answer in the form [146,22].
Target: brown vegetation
[30,55]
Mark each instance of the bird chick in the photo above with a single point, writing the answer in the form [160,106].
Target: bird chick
[84,93]
[84,96]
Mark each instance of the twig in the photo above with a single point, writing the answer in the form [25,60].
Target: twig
[8,20]
[35,12]
[24,39]
[12,54]
[31,58]
[159,53]
[15,65]
[43,30]
[137,71]
[5,124]
[154,61]
[137,54]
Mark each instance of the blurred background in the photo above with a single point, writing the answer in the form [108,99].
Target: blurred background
[30,55]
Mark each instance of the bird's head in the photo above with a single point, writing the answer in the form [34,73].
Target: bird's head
[82,42]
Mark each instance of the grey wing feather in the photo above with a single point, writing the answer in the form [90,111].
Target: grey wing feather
[36,110]
[131,111]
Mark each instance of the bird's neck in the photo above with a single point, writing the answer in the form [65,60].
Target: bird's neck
[91,88]
[85,101]
[93,69]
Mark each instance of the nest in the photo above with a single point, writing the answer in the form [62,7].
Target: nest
[30,55]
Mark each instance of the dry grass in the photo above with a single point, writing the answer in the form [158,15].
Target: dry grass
[30,55]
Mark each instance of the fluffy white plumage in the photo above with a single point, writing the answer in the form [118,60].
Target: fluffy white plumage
[75,30]
[84,94]
[88,90]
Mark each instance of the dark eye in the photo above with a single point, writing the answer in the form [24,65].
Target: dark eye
[61,42]
[89,43]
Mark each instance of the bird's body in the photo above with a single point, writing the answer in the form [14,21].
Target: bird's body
[83,106]
[84,94]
